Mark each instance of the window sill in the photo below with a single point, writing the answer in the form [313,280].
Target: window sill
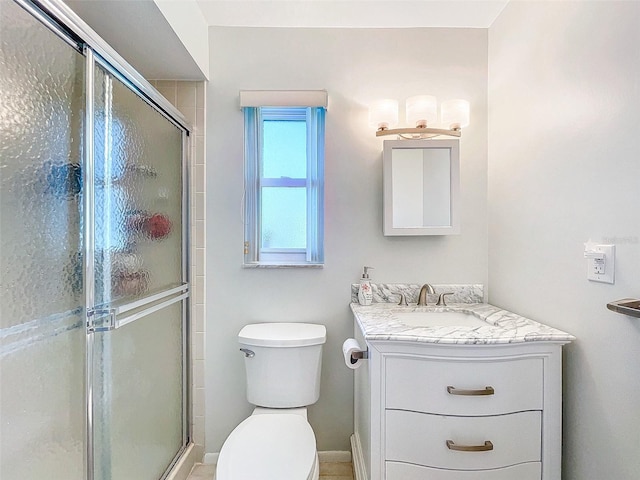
[283,265]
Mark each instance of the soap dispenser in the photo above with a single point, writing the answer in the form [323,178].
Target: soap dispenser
[365,293]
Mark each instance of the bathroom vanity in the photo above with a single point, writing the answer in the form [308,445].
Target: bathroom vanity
[437,400]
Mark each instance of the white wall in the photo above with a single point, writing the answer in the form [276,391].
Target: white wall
[186,19]
[356,66]
[564,166]
[167,41]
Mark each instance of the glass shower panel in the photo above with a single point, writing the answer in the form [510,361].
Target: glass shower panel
[41,299]
[138,195]
[138,396]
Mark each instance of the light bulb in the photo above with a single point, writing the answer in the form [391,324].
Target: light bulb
[383,114]
[455,114]
[422,111]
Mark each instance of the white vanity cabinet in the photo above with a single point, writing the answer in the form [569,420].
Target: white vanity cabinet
[458,411]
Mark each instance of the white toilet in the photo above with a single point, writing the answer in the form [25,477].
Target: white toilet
[282,363]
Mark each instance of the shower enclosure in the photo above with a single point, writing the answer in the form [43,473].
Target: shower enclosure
[93,257]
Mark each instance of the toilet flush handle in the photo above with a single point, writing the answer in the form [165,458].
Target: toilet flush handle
[248,353]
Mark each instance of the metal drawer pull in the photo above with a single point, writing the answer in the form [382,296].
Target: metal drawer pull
[459,391]
[470,448]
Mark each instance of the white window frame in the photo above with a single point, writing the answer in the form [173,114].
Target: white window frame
[313,254]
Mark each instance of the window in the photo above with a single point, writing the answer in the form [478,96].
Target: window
[284,185]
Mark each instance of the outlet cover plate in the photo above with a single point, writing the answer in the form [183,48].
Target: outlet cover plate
[602,271]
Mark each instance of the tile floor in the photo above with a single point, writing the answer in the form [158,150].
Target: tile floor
[328,471]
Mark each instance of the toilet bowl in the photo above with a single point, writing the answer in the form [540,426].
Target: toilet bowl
[282,362]
[271,445]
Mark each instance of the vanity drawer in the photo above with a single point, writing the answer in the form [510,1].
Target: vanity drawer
[421,438]
[406,471]
[516,385]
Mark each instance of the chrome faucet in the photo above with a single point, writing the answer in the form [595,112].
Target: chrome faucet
[422,296]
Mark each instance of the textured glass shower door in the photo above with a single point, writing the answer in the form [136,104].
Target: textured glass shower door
[42,334]
[139,296]
[93,276]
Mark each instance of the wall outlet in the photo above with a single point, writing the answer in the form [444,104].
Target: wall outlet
[599,266]
[602,269]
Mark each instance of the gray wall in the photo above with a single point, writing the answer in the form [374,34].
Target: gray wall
[356,66]
[564,167]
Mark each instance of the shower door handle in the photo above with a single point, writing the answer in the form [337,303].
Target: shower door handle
[121,322]
[115,321]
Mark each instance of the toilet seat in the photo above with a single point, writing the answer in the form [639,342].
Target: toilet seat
[277,446]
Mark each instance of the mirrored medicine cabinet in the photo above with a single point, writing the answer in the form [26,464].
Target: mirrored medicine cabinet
[421,180]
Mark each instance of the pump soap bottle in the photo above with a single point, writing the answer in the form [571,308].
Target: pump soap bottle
[365,294]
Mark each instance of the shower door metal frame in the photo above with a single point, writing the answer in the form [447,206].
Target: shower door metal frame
[88,169]
[60,19]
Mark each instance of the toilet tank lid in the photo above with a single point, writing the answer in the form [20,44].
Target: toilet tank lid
[283,334]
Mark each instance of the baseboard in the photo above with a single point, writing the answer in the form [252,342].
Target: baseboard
[359,469]
[330,456]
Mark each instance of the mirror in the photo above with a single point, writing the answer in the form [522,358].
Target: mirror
[421,187]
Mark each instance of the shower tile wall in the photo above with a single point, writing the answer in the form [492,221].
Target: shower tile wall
[188,97]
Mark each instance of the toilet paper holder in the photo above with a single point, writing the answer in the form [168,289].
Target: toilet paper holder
[360,355]
[354,353]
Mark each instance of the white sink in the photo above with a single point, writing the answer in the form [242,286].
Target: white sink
[439,319]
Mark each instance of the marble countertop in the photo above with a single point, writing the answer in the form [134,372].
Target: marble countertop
[379,322]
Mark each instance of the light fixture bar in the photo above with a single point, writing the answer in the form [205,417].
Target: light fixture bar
[419,132]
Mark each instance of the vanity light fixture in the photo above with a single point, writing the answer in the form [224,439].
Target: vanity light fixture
[422,111]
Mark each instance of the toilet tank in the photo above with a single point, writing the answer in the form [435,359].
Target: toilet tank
[283,363]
